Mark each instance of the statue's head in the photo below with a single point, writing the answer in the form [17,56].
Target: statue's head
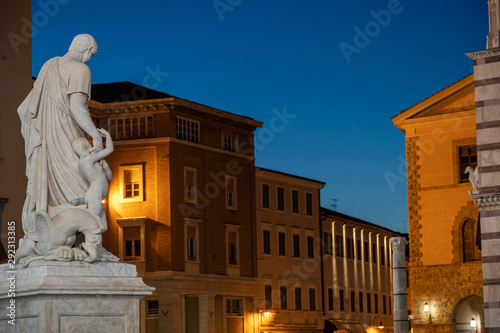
[86,44]
[80,145]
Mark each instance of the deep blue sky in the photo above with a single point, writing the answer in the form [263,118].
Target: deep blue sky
[257,56]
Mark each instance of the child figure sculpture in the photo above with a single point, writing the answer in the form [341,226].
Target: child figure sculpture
[97,172]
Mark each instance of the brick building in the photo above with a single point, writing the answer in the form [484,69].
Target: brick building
[445,264]
[181,207]
[288,252]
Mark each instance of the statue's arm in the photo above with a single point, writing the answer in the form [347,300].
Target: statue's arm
[97,156]
[107,170]
[80,112]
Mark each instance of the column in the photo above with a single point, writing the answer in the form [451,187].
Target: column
[487,94]
[399,285]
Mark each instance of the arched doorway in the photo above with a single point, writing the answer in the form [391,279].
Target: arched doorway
[469,307]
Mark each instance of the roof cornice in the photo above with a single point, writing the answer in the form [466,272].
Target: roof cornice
[464,83]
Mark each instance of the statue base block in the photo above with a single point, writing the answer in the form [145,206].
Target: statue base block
[54,296]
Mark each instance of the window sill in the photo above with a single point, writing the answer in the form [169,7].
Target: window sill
[134,261]
[187,261]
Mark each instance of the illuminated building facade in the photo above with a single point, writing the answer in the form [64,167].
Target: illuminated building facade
[357,260]
[288,252]
[445,264]
[181,207]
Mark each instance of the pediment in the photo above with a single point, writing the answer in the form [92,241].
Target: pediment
[455,98]
[463,100]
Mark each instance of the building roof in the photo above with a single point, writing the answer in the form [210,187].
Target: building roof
[407,112]
[115,94]
[332,213]
[289,175]
[123,92]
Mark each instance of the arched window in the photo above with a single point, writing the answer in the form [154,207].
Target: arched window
[470,249]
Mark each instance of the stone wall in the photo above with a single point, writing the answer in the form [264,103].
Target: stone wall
[451,283]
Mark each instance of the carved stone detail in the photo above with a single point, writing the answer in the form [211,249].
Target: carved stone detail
[398,244]
[413,198]
[490,201]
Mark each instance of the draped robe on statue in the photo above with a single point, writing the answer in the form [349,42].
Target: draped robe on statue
[48,128]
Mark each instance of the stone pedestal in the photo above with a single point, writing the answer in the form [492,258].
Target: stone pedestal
[399,284]
[71,297]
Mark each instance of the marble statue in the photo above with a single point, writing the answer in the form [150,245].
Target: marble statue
[61,166]
[473,177]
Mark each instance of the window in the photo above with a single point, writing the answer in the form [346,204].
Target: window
[384,304]
[296,245]
[131,128]
[298,299]
[234,307]
[152,311]
[232,248]
[281,244]
[382,255]
[375,304]
[469,234]
[368,302]
[330,299]
[361,302]
[350,247]
[353,301]
[265,195]
[283,300]
[132,243]
[339,245]
[281,198]
[131,238]
[327,243]
[309,203]
[131,183]
[374,253]
[266,241]
[310,247]
[229,143]
[268,293]
[367,251]
[295,201]
[341,300]
[468,157]
[231,194]
[188,130]
[190,194]
[312,299]
[390,306]
[191,244]
[191,239]
[358,248]
[152,308]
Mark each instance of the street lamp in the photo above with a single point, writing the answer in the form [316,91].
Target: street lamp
[380,325]
[427,312]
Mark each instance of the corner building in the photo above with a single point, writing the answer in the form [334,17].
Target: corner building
[181,207]
[288,253]
[445,270]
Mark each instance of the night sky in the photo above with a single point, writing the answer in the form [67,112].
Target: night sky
[333,72]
